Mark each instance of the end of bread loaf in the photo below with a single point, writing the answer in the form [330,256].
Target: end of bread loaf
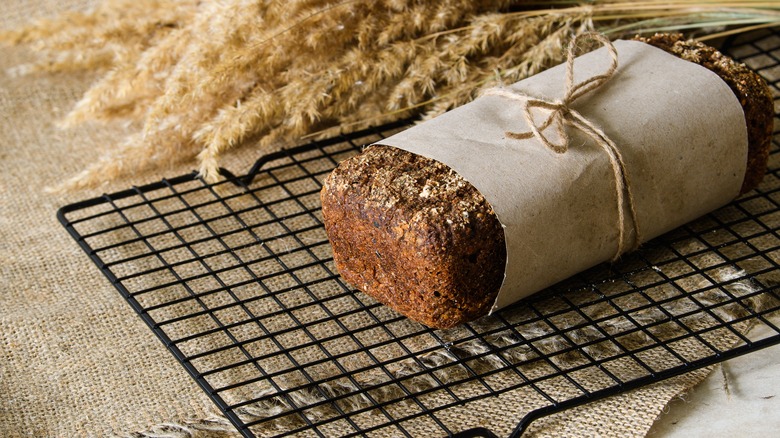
[413,234]
[750,89]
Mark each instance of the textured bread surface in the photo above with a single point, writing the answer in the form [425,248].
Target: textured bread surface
[412,233]
[415,235]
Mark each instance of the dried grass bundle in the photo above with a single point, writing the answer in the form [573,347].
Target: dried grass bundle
[206,77]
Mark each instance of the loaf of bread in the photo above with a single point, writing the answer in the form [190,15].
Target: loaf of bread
[415,235]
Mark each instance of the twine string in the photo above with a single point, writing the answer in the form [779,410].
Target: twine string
[561,114]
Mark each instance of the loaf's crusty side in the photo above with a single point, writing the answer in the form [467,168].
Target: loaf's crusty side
[416,236]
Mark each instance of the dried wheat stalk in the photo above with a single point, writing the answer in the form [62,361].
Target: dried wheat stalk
[206,77]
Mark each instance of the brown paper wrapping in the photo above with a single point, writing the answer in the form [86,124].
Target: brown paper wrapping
[679,127]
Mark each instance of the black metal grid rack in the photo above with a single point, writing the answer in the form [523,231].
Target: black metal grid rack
[237,280]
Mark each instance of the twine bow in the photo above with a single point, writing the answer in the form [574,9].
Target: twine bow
[561,114]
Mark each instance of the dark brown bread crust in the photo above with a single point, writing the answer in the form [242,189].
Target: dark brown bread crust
[416,236]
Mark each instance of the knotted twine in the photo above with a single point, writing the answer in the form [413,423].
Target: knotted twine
[562,114]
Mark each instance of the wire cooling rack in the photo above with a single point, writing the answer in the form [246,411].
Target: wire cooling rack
[237,280]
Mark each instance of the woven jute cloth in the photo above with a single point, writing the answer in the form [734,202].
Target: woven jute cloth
[75,360]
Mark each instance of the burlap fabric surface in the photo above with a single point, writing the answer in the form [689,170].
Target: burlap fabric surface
[75,359]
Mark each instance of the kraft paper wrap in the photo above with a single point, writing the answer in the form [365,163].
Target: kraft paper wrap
[685,153]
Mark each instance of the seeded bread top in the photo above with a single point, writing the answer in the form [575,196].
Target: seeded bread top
[393,179]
